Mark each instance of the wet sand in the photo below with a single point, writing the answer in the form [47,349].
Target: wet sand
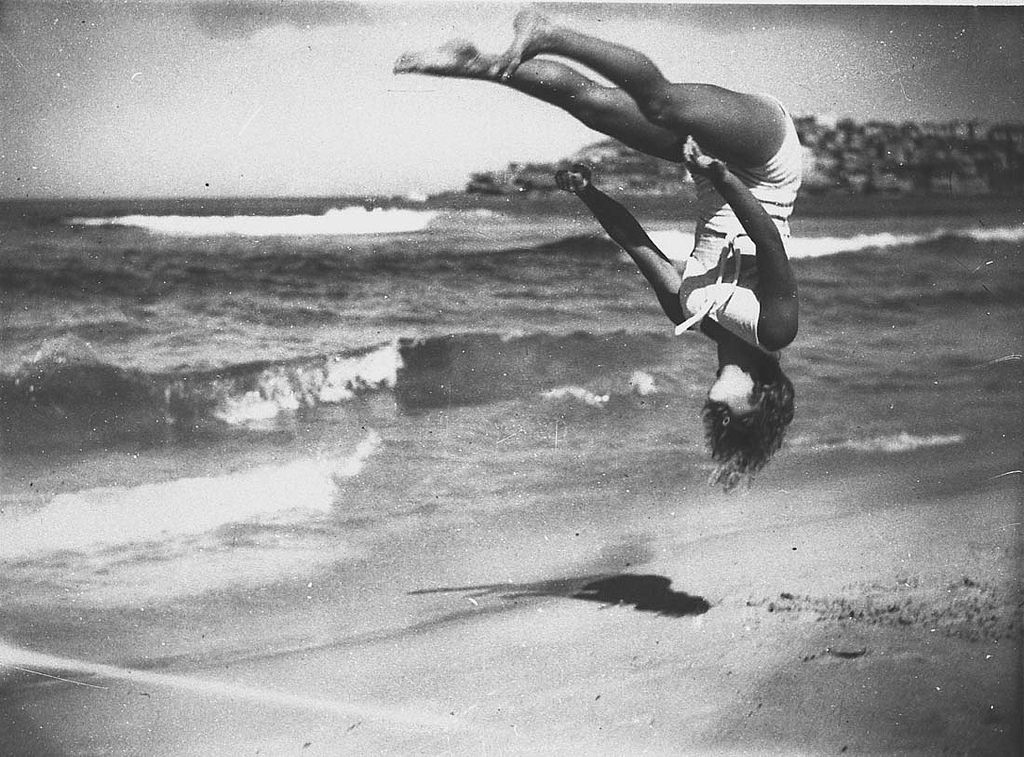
[847,604]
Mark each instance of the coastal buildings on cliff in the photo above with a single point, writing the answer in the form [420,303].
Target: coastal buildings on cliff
[958,157]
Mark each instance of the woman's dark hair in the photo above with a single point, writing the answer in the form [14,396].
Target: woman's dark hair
[742,444]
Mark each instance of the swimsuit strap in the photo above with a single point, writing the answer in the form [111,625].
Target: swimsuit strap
[728,250]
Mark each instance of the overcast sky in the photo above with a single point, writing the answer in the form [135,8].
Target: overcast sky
[268,97]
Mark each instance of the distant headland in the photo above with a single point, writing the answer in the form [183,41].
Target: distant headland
[962,158]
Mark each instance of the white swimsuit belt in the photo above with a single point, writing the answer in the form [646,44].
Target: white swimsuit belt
[730,251]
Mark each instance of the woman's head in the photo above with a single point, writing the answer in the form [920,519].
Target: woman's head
[745,419]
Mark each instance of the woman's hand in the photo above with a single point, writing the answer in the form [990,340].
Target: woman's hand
[699,163]
[574,179]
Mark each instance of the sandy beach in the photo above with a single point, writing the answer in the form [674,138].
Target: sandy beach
[872,609]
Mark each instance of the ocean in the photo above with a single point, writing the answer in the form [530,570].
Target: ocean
[211,410]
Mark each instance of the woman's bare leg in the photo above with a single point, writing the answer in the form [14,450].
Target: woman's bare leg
[739,128]
[608,110]
[627,232]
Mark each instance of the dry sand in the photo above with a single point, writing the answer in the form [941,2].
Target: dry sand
[870,608]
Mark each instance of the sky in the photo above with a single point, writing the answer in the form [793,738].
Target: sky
[294,98]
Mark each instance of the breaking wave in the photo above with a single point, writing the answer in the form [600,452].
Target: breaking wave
[336,221]
[67,395]
[677,244]
[109,517]
[891,443]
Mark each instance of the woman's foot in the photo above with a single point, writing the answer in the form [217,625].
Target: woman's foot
[574,179]
[459,59]
[531,31]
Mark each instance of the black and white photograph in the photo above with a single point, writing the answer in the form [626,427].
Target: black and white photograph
[484,378]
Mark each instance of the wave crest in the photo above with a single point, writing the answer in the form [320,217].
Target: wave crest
[890,443]
[678,244]
[69,396]
[108,517]
[278,388]
[350,220]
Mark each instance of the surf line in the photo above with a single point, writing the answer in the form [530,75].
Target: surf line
[24,660]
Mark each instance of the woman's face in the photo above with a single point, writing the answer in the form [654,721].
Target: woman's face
[734,387]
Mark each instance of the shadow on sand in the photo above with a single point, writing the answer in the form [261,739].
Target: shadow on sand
[644,592]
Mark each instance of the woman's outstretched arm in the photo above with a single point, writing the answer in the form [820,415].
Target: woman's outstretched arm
[776,289]
[627,232]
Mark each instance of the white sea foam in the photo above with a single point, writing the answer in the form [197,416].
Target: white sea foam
[250,409]
[577,393]
[336,221]
[283,388]
[816,247]
[642,384]
[677,244]
[103,518]
[998,234]
[901,442]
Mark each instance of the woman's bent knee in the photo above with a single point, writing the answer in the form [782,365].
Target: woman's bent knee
[661,106]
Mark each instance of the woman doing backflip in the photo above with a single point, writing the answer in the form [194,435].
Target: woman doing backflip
[737,286]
